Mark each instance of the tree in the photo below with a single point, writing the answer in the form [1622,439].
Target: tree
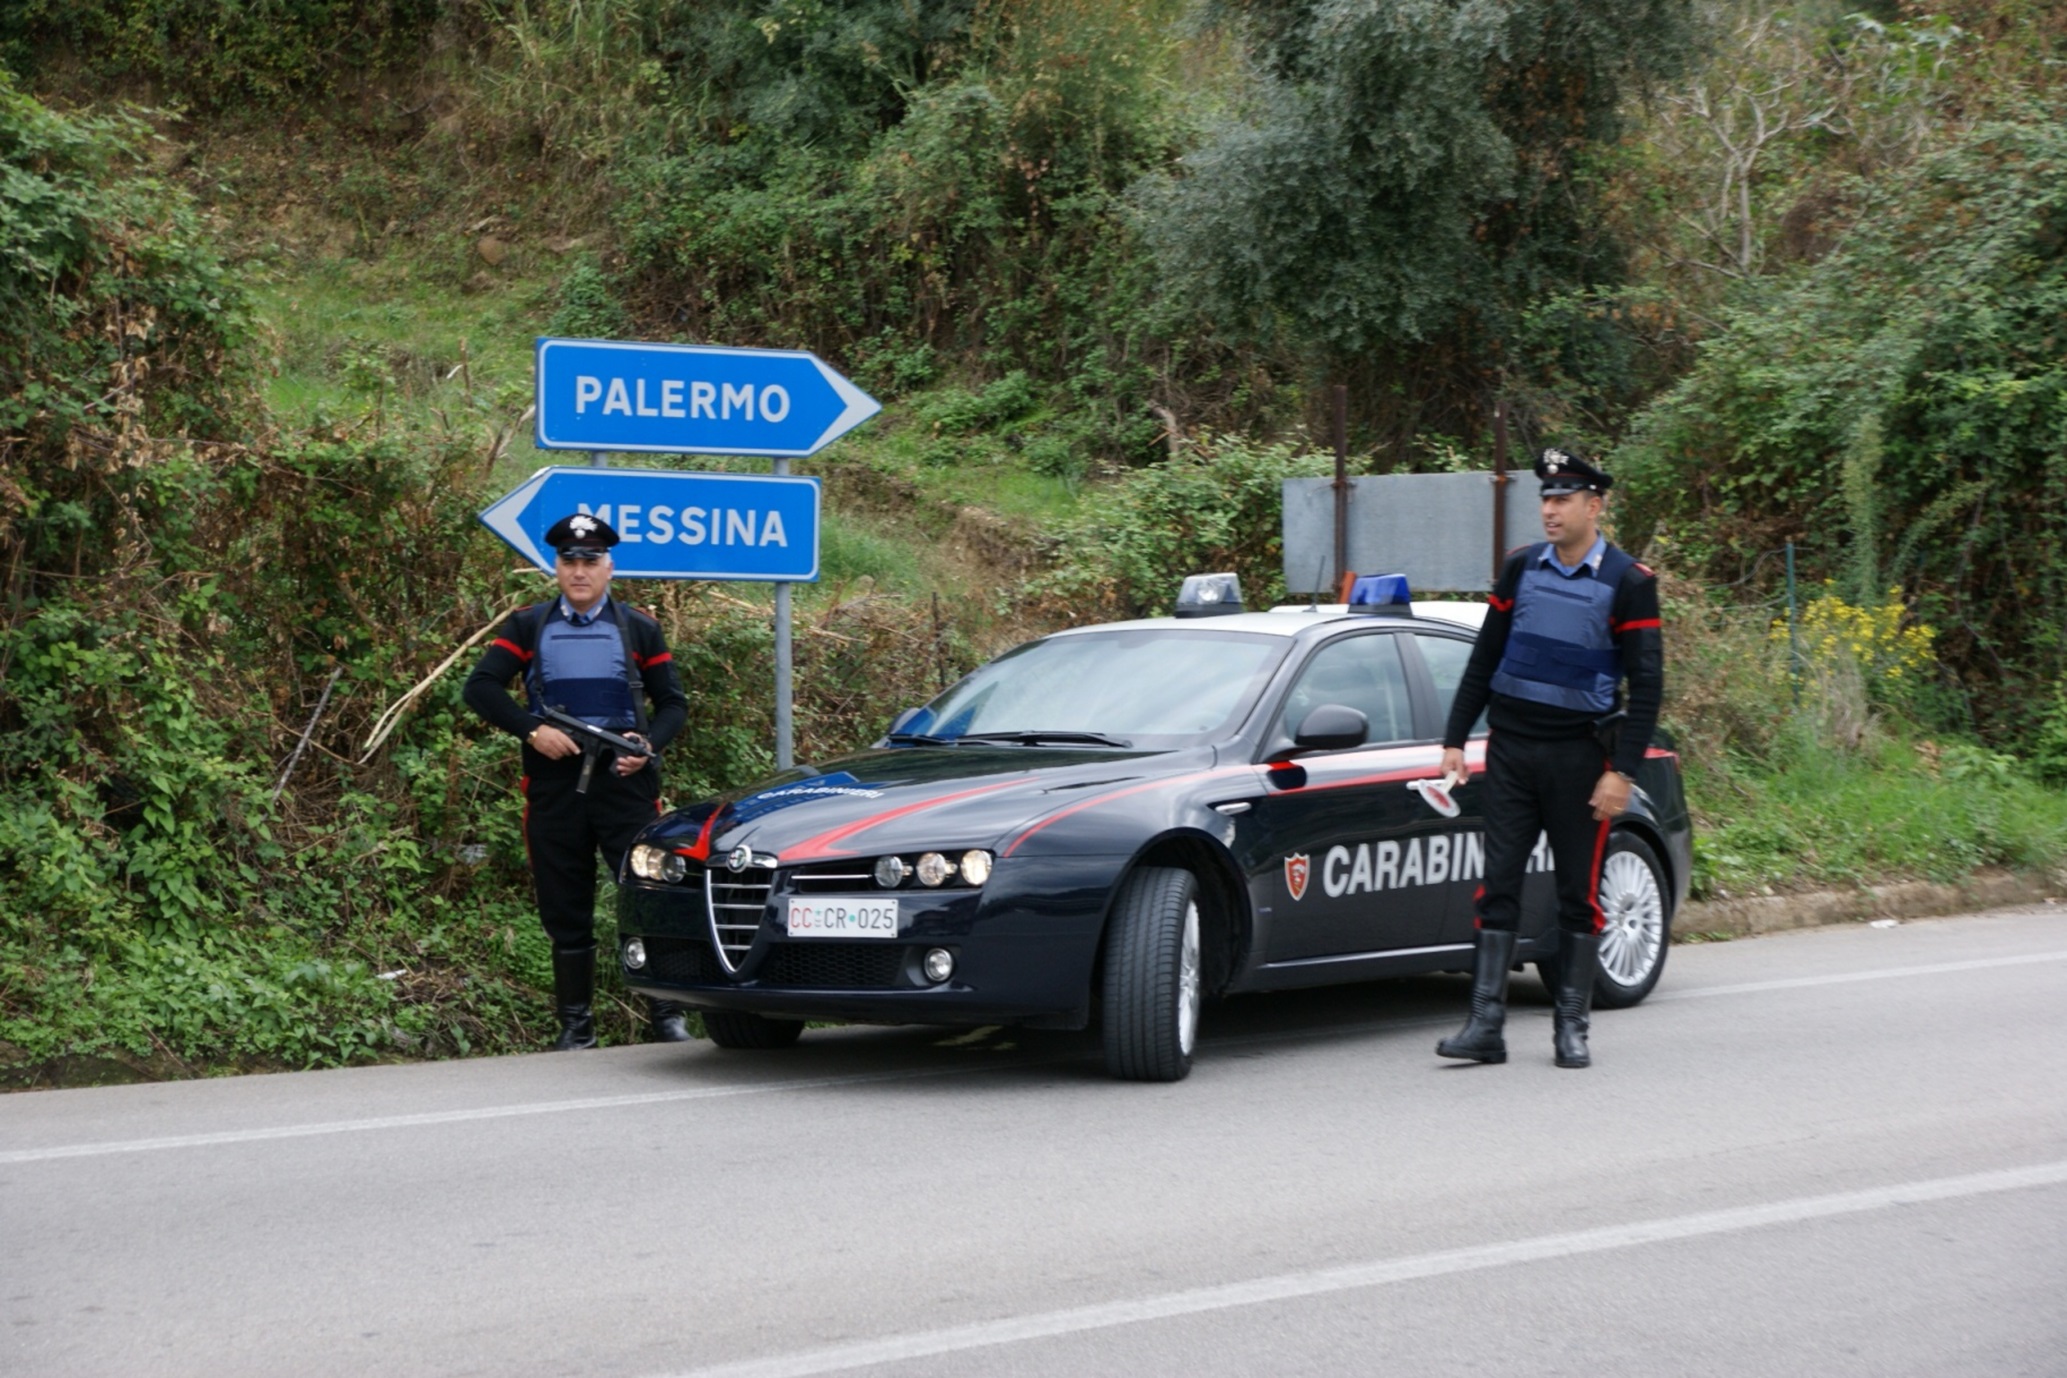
[1407,181]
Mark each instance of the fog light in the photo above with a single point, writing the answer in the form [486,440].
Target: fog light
[934,869]
[891,871]
[939,965]
[634,954]
[976,867]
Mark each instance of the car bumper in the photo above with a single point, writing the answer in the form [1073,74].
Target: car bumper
[1025,947]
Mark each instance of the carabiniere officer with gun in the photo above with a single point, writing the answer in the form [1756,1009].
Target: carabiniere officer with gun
[591,753]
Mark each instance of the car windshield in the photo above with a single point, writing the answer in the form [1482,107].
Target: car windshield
[1144,687]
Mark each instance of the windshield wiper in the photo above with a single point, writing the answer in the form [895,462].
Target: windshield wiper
[1039,737]
[919,739]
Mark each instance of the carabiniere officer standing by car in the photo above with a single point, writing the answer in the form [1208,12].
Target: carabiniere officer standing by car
[1569,620]
[599,661]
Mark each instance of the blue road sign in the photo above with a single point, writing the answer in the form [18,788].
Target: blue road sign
[691,399]
[673,525]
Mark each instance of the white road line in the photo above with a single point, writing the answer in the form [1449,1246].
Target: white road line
[558,1107]
[484,1112]
[1075,1320]
[1845,977]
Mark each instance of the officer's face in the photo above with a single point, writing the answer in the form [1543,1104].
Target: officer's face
[1571,518]
[583,581]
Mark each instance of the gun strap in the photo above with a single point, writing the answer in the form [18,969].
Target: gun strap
[634,681]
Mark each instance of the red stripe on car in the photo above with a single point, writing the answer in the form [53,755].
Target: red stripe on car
[1092,803]
[811,848]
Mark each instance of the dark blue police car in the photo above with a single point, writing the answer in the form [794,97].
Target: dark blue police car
[1125,819]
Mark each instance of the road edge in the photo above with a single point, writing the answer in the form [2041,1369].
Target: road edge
[1914,899]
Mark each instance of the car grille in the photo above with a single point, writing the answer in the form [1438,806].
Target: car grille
[737,900]
[832,877]
[682,960]
[833,965]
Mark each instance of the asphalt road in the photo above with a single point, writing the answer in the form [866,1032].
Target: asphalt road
[1835,1152]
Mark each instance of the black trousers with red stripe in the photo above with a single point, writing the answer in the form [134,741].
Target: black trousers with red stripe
[1542,789]
[564,832]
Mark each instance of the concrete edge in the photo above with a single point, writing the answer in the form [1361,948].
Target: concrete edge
[1916,899]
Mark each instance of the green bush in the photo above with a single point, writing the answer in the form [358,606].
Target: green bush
[1899,410]
[216,52]
[1214,507]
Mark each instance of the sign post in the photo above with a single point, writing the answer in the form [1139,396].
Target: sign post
[620,395]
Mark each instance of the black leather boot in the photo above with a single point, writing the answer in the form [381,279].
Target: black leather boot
[1578,961]
[1480,1039]
[666,1021]
[574,986]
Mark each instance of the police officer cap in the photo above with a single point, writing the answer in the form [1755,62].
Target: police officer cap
[1564,472]
[580,536]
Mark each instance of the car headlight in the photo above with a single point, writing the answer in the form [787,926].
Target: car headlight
[934,869]
[657,863]
[891,871]
[976,867]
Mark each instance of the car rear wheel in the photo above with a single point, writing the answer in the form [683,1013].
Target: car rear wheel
[1153,975]
[733,1029]
[1638,931]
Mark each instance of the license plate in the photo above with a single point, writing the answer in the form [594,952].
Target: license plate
[831,918]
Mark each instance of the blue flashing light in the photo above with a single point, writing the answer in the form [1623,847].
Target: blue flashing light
[1385,594]
[1209,595]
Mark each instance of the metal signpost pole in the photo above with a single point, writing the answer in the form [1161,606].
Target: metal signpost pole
[1341,428]
[1500,482]
[784,739]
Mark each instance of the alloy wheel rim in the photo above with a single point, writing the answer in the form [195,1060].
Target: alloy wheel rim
[1634,909]
[1188,981]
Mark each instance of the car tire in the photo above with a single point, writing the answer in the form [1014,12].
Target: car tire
[1635,899]
[733,1029]
[1153,976]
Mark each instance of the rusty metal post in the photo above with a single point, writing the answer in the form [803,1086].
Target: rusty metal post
[1342,490]
[1500,482]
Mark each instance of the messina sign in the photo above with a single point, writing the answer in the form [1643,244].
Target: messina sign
[673,525]
[691,399]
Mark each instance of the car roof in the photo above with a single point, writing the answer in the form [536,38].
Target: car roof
[1290,619]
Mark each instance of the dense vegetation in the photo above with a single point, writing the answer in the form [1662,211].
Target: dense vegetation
[262,329]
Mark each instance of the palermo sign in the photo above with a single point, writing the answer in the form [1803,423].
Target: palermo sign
[691,399]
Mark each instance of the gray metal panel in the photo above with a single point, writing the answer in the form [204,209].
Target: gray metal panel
[1437,529]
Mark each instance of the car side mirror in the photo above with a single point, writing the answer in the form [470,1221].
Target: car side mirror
[1332,727]
[903,720]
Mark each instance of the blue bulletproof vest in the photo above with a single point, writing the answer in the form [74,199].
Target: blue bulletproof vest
[1561,646]
[582,669]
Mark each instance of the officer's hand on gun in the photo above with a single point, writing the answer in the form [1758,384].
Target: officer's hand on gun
[555,745]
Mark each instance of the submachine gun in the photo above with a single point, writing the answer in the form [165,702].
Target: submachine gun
[595,742]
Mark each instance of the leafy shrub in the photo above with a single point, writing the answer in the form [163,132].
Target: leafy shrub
[215,53]
[1920,357]
[1214,507]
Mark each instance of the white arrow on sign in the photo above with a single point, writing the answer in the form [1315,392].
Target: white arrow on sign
[502,518]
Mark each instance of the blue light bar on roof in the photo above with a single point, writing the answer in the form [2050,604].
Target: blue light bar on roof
[1209,595]
[1384,594]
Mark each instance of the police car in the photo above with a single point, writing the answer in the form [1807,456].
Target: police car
[1119,821]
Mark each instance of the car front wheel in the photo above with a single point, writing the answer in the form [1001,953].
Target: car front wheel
[1153,976]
